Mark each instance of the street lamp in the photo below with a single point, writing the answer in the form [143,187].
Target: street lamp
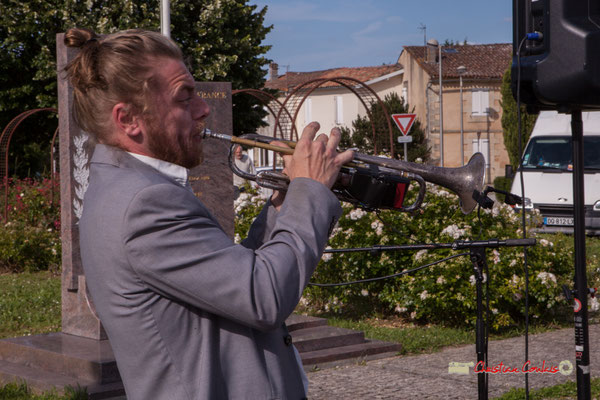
[461,71]
[165,18]
[434,44]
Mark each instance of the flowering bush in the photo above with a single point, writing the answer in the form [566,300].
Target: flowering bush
[34,202]
[443,293]
[246,208]
[30,239]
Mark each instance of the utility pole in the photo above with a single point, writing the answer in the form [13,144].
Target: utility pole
[165,18]
[424,29]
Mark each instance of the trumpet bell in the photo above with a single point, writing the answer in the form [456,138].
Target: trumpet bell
[463,181]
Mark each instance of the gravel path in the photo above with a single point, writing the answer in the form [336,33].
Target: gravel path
[427,376]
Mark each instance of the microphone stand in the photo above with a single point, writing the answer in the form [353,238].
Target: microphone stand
[477,252]
[581,291]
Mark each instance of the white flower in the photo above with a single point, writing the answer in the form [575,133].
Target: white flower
[517,296]
[454,231]
[400,309]
[460,297]
[594,305]
[515,280]
[237,238]
[413,315]
[54,251]
[364,292]
[356,214]
[546,277]
[546,243]
[420,254]
[378,227]
[494,311]
[472,279]
[496,256]
[441,280]
[424,295]
[327,256]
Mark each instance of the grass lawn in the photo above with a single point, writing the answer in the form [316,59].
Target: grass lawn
[30,304]
[563,391]
[14,391]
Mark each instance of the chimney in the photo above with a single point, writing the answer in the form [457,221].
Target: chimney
[273,71]
[432,51]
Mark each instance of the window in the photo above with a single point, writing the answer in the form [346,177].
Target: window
[308,110]
[482,146]
[480,102]
[339,110]
[554,153]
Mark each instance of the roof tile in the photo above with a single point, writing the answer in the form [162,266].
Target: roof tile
[292,80]
[482,60]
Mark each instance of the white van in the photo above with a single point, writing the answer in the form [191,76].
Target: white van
[548,170]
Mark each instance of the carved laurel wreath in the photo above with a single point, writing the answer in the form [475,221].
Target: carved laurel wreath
[81,172]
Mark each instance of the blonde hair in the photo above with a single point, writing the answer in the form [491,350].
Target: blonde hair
[112,69]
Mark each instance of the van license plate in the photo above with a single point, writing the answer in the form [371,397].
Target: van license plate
[558,221]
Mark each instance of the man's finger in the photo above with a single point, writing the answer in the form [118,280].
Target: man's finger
[322,138]
[309,132]
[334,139]
[345,157]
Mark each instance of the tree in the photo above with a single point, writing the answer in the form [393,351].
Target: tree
[361,134]
[221,38]
[510,122]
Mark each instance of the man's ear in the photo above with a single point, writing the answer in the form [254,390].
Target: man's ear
[126,121]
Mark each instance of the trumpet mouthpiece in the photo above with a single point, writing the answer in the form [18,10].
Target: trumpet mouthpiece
[210,134]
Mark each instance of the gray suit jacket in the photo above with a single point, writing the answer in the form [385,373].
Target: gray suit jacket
[189,314]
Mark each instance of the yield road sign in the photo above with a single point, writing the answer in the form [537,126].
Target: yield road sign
[404,122]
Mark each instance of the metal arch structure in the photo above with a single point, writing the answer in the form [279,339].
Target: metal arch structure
[275,107]
[53,165]
[5,138]
[365,94]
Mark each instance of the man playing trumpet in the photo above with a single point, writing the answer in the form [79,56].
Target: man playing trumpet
[189,314]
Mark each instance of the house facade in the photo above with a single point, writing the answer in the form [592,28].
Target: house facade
[471,77]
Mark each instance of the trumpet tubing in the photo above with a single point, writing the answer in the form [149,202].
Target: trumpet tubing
[463,181]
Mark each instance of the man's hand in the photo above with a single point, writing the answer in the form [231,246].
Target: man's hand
[317,159]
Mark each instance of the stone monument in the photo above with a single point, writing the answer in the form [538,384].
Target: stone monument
[81,355]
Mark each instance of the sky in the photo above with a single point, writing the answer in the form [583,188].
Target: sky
[312,35]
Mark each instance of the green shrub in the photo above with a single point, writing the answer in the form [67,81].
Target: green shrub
[444,293]
[502,183]
[30,240]
[26,248]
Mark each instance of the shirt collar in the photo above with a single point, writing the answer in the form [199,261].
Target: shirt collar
[173,171]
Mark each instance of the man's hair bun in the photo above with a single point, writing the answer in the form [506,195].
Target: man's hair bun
[77,37]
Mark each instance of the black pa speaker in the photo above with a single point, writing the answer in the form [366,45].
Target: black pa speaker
[560,62]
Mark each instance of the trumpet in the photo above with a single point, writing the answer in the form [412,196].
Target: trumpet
[371,181]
